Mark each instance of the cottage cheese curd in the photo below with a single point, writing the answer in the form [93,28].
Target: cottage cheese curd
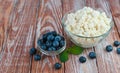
[89,23]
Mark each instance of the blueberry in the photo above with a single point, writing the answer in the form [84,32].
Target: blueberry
[32,51]
[62,43]
[50,37]
[109,48]
[58,48]
[116,43]
[53,48]
[50,49]
[118,50]
[62,38]
[48,43]
[43,47]
[57,66]
[37,57]
[48,33]
[58,38]
[40,42]
[44,37]
[55,43]
[92,55]
[54,33]
[82,59]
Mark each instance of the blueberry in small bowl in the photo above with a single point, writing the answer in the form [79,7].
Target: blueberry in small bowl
[51,43]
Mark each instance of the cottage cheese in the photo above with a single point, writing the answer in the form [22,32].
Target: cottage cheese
[89,23]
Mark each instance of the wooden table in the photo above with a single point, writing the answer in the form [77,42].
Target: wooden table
[22,21]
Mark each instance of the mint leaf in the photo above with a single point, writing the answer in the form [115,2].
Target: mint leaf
[76,50]
[63,56]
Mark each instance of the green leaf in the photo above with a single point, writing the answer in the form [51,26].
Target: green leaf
[76,50]
[63,56]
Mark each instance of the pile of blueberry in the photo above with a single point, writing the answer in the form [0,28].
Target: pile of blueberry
[51,41]
[109,48]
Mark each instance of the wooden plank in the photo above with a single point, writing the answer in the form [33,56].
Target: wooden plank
[50,14]
[20,23]
[5,8]
[15,57]
[73,65]
[115,9]
[117,22]
[107,62]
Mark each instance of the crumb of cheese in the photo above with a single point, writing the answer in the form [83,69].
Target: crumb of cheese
[88,22]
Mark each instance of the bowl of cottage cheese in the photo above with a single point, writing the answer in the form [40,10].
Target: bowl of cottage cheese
[87,27]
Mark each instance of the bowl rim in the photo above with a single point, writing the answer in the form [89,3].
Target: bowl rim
[63,25]
[52,53]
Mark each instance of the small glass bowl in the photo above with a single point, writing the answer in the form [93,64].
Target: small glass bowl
[51,53]
[83,41]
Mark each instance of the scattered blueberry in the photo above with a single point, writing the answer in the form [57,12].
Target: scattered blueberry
[58,38]
[50,37]
[118,50]
[92,55]
[43,47]
[116,43]
[32,51]
[82,59]
[109,48]
[57,66]
[37,57]
[48,43]
[55,43]
[62,43]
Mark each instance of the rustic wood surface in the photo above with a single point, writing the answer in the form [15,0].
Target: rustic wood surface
[23,21]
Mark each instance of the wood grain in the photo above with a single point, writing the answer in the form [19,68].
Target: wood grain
[22,22]
[15,57]
[107,62]
[5,8]
[49,19]
[115,9]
